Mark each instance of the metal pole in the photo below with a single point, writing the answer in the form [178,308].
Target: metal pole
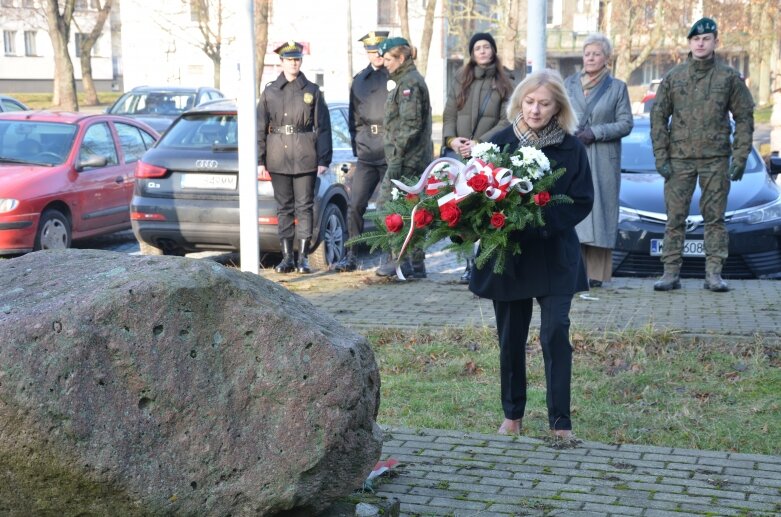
[247,140]
[536,25]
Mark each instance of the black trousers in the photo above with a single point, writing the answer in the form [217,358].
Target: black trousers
[512,325]
[365,181]
[294,194]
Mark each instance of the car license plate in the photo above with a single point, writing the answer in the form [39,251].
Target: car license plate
[690,248]
[209,181]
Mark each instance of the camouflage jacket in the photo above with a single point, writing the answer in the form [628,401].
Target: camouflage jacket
[408,145]
[700,95]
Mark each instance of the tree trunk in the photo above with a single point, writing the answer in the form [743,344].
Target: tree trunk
[59,32]
[87,44]
[261,40]
[404,19]
[508,34]
[425,41]
[217,64]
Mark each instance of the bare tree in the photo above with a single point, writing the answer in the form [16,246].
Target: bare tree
[59,16]
[261,39]
[425,40]
[403,7]
[87,44]
[209,17]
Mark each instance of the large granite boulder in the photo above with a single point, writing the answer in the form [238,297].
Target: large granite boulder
[172,386]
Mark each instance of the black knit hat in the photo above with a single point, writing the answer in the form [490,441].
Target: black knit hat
[482,36]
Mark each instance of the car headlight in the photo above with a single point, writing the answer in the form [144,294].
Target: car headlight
[765,214]
[627,215]
[6,205]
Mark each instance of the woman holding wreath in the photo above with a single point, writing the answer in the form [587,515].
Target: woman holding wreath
[549,268]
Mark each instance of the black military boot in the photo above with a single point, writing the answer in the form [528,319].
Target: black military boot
[467,275]
[303,253]
[418,264]
[346,264]
[388,268]
[715,283]
[670,280]
[288,264]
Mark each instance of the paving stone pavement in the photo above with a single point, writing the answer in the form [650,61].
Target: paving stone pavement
[467,474]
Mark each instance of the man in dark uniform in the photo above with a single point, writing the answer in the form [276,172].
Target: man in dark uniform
[294,146]
[367,109]
[690,131]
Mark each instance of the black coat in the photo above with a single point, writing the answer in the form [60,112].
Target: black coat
[550,262]
[367,108]
[298,103]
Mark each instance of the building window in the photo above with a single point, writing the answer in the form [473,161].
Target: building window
[9,42]
[387,12]
[7,3]
[28,3]
[29,43]
[87,5]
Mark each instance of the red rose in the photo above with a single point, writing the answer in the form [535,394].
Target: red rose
[478,182]
[412,197]
[450,213]
[422,218]
[542,198]
[497,220]
[394,223]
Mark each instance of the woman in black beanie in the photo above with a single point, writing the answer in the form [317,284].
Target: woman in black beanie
[476,106]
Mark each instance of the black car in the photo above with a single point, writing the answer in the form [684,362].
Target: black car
[186,196]
[753,217]
[158,106]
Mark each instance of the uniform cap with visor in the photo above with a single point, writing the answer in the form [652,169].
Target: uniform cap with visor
[290,49]
[372,40]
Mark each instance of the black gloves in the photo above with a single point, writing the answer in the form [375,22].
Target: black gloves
[586,136]
[736,171]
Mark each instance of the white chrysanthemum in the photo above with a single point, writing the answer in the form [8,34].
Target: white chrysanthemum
[395,194]
[516,160]
[483,148]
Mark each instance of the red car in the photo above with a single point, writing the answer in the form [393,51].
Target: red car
[66,176]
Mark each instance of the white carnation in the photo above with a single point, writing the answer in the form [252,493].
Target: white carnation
[395,194]
[483,148]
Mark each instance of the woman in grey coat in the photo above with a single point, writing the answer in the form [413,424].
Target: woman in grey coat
[602,105]
[476,106]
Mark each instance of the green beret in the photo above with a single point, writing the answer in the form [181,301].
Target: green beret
[391,43]
[703,26]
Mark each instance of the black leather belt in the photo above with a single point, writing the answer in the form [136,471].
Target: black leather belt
[289,130]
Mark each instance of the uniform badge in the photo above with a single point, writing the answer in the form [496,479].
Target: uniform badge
[406,92]
[391,85]
[308,98]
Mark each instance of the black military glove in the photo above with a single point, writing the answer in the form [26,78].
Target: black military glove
[664,170]
[586,136]
[736,171]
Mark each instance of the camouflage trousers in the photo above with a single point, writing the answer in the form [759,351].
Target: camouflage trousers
[678,190]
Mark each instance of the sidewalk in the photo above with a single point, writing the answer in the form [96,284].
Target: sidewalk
[462,474]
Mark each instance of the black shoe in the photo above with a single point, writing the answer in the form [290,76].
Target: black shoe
[594,283]
[388,269]
[303,260]
[346,264]
[288,264]
[668,282]
[715,283]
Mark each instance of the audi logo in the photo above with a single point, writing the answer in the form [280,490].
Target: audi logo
[207,164]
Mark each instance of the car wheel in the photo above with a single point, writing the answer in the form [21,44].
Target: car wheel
[332,237]
[54,231]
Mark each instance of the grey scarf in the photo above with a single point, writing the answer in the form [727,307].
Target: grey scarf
[552,134]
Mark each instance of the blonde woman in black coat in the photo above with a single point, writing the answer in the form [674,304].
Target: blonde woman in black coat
[549,268]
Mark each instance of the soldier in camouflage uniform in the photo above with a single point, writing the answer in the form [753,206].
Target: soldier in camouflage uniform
[408,145]
[700,94]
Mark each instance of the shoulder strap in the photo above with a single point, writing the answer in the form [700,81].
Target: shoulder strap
[481,111]
[592,101]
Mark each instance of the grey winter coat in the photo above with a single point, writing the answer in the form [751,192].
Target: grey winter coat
[610,120]
[464,122]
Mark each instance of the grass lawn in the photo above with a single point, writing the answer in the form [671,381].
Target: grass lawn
[635,387]
[38,101]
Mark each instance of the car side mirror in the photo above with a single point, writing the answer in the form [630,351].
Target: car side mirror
[775,165]
[92,162]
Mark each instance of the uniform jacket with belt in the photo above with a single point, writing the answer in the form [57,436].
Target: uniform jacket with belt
[550,261]
[367,109]
[300,106]
[610,120]
[464,122]
[408,145]
[700,94]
